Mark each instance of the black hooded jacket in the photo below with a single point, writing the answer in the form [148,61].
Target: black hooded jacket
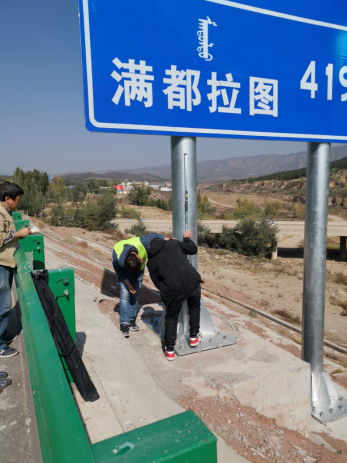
[169,267]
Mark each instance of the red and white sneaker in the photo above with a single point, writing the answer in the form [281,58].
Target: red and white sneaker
[170,355]
[195,341]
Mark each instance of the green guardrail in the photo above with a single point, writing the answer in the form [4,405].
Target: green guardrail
[183,438]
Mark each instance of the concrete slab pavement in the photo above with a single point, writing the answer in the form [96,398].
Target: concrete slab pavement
[129,397]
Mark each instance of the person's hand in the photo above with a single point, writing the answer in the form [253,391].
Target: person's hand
[23,233]
[166,239]
[130,288]
[187,234]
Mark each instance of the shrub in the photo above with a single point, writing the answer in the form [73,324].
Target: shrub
[129,213]
[95,215]
[249,237]
[298,210]
[227,215]
[246,209]
[205,211]
[138,229]
[271,209]
[204,235]
[160,203]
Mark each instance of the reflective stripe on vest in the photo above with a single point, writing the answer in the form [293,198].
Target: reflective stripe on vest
[141,250]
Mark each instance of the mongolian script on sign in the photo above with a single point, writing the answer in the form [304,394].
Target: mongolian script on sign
[204,46]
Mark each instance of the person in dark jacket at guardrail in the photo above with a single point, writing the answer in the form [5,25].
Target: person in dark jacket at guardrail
[178,281]
[129,261]
[10,194]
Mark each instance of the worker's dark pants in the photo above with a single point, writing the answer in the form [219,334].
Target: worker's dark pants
[192,295]
[6,276]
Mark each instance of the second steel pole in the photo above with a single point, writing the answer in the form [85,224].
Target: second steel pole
[317,195]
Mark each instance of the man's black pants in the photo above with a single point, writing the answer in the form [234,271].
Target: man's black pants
[192,295]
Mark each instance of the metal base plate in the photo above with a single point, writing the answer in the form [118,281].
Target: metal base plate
[326,413]
[212,341]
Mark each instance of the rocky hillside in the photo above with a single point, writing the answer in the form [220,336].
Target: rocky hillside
[293,188]
[245,166]
[111,175]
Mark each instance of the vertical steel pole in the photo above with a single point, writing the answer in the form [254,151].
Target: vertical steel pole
[184,183]
[184,176]
[317,193]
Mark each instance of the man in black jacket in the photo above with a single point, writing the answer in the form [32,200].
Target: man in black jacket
[178,281]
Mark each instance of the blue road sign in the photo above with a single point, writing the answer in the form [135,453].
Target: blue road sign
[257,69]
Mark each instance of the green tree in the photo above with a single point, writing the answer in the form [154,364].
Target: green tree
[139,194]
[58,215]
[34,184]
[58,189]
[106,204]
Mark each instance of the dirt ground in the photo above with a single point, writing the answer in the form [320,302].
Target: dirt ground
[273,287]
[230,199]
[145,211]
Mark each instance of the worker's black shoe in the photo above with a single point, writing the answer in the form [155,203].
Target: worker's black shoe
[133,326]
[125,330]
[8,352]
[3,375]
[4,383]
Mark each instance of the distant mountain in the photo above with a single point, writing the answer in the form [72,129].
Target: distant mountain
[243,167]
[110,175]
[224,169]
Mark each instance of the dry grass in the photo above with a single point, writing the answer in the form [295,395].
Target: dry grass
[297,338]
[340,278]
[83,244]
[331,354]
[221,252]
[337,372]
[41,224]
[340,303]
[116,235]
[70,240]
[252,314]
[289,317]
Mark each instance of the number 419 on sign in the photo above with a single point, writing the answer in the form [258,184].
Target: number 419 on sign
[308,81]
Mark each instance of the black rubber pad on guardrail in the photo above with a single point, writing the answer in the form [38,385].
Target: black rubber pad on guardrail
[63,339]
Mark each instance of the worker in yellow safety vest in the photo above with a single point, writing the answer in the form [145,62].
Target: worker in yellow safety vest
[129,259]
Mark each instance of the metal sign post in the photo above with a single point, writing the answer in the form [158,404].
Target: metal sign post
[327,405]
[184,216]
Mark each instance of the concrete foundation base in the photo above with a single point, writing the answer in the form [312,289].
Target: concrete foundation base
[259,374]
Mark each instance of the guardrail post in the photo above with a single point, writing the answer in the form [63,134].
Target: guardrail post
[19,224]
[62,284]
[35,244]
[16,215]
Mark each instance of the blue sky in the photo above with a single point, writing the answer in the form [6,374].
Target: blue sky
[41,102]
